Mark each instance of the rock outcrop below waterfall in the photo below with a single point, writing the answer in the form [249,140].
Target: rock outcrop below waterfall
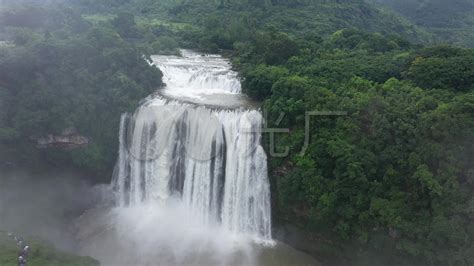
[68,139]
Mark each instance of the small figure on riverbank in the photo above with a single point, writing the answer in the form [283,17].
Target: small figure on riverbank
[21,261]
[24,252]
[19,240]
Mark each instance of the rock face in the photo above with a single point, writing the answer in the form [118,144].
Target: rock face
[69,139]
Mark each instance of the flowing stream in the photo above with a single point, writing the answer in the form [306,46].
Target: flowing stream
[190,185]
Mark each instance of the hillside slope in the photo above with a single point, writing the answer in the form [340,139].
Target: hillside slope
[295,17]
[451,21]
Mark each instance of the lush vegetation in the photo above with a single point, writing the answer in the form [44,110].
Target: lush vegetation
[41,254]
[58,71]
[450,21]
[398,165]
[394,173]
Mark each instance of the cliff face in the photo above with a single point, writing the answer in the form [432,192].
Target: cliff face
[68,139]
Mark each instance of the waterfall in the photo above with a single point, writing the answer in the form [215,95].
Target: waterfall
[208,158]
[194,74]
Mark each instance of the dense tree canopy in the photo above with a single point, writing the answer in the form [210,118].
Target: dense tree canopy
[451,21]
[52,80]
[398,165]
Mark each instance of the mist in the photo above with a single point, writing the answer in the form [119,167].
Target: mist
[167,233]
[144,235]
[43,204]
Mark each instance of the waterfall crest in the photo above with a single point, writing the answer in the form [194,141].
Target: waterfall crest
[192,74]
[210,159]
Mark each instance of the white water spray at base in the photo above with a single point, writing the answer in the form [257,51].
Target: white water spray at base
[210,159]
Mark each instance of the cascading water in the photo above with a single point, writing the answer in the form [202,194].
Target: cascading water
[195,75]
[210,159]
[190,185]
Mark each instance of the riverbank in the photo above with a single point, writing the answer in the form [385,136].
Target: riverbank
[39,202]
[41,254]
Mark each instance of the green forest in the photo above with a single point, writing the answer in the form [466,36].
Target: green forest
[450,21]
[60,71]
[394,175]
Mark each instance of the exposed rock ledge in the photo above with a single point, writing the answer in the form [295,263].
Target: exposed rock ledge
[69,139]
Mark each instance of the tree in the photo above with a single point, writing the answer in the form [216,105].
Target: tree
[125,24]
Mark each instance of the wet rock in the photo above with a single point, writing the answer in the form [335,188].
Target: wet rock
[68,139]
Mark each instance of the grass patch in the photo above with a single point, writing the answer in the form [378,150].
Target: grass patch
[41,254]
[98,18]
